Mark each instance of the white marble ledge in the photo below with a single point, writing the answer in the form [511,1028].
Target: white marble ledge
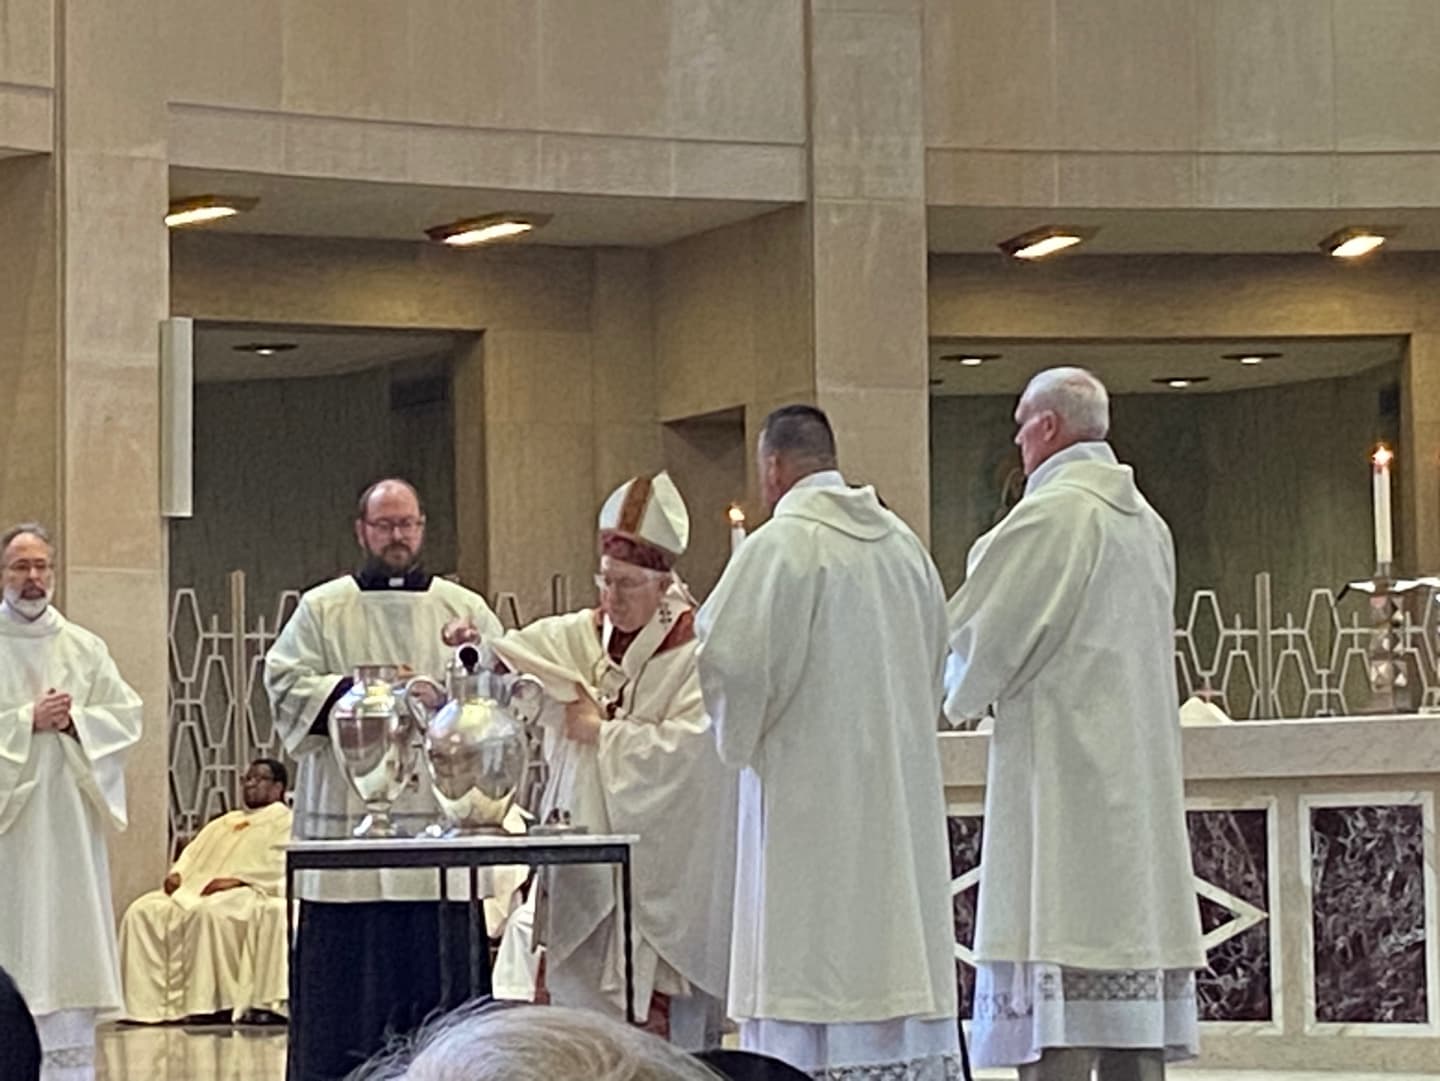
[1322,747]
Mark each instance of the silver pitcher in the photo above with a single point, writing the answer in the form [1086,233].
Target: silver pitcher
[476,746]
[373,737]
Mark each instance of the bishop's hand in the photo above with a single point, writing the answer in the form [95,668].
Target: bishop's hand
[460,631]
[52,711]
[171,883]
[582,719]
[218,885]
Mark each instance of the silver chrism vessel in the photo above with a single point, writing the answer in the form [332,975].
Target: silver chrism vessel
[374,742]
[476,744]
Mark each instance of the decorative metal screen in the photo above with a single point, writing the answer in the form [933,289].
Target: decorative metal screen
[1261,666]
[219,715]
[1311,664]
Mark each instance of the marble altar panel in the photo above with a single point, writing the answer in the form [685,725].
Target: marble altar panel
[967,830]
[1232,849]
[1371,928]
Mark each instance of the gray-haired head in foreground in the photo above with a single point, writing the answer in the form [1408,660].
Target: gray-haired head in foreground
[1074,395]
[35,529]
[488,1042]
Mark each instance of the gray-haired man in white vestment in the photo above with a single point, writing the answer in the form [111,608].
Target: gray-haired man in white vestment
[1088,930]
[67,722]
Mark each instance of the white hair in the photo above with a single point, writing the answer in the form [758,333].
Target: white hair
[1074,395]
[491,1042]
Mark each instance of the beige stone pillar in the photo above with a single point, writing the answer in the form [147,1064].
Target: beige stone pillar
[868,243]
[29,356]
[113,256]
[1420,455]
[622,347]
[467,393]
[539,464]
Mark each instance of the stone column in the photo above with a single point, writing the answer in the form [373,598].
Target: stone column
[622,348]
[539,464]
[868,248]
[1420,456]
[114,275]
[29,355]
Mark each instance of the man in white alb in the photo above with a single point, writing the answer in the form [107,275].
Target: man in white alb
[67,721]
[630,750]
[368,942]
[821,656]
[1088,929]
[189,948]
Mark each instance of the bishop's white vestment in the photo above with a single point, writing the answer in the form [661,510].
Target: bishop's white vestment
[653,772]
[183,953]
[1088,926]
[59,792]
[821,658]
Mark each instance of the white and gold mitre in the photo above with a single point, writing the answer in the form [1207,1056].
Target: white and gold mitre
[649,511]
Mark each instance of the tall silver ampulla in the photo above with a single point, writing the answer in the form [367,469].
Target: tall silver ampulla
[374,742]
[476,746]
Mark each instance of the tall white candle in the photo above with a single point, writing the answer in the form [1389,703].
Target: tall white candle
[737,527]
[1380,484]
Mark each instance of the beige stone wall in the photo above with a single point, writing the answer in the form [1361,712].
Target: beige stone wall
[1246,297]
[1091,103]
[686,97]
[27,74]
[694,69]
[553,408]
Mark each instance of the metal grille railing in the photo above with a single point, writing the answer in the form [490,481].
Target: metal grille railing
[219,715]
[1253,666]
[1312,665]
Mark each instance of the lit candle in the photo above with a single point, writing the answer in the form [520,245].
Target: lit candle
[1380,479]
[737,526]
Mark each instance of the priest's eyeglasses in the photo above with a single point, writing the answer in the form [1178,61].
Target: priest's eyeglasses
[396,525]
[26,567]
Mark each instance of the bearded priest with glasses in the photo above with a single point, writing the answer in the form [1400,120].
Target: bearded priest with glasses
[630,750]
[367,946]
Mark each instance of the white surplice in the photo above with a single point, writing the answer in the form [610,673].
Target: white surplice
[337,627]
[654,772]
[1066,626]
[821,656]
[184,953]
[58,794]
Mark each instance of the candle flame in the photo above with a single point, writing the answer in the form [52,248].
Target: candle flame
[1383,455]
[735,514]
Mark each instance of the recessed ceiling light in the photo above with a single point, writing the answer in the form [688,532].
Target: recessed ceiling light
[1251,359]
[1180,382]
[486,230]
[970,360]
[1047,240]
[1355,241]
[199,209]
[264,349]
